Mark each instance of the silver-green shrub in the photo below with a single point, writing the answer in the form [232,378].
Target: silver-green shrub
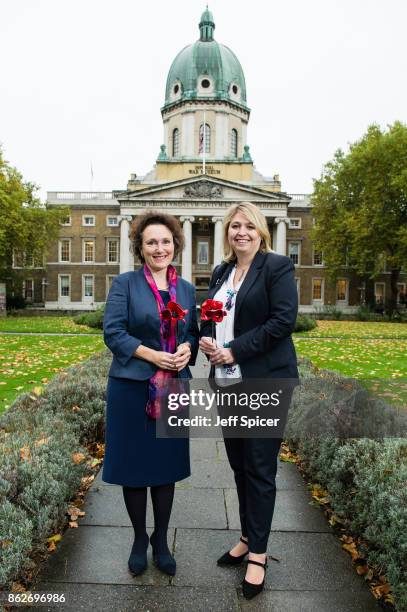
[38,476]
[366,477]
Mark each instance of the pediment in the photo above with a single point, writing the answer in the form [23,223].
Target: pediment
[202,189]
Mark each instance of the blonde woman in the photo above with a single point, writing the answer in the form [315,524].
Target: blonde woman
[258,291]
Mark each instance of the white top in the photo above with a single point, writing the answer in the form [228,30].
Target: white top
[227,374]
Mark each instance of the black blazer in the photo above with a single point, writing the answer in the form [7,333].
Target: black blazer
[265,316]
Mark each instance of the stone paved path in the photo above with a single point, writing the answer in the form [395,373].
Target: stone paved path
[313,574]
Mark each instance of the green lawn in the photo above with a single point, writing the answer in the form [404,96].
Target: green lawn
[356,329]
[59,325]
[29,362]
[379,364]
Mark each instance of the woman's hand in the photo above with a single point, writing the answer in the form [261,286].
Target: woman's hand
[207,345]
[164,361]
[182,356]
[221,356]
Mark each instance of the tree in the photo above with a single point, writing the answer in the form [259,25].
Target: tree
[26,225]
[360,206]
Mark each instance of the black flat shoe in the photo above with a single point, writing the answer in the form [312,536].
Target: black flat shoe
[228,559]
[138,561]
[250,590]
[164,561]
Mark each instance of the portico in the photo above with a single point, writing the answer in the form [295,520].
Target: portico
[200,203]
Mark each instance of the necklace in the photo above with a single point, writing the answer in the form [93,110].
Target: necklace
[242,273]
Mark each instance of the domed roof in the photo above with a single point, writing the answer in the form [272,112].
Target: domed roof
[206,70]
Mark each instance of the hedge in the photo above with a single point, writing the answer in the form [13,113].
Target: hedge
[38,474]
[366,477]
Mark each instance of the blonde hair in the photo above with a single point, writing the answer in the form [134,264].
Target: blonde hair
[255,216]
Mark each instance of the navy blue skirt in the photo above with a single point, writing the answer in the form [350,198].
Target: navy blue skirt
[134,457]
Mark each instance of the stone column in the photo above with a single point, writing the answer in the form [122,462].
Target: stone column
[126,258]
[187,252]
[281,246]
[217,247]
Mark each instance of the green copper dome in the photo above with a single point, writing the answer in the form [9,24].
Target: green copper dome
[206,70]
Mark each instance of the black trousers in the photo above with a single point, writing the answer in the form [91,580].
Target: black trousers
[254,463]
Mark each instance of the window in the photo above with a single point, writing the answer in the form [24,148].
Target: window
[294,252]
[28,289]
[317,259]
[204,138]
[203,253]
[379,293]
[18,258]
[109,281]
[401,293]
[88,220]
[88,282]
[28,260]
[317,290]
[112,221]
[341,290]
[64,251]
[175,142]
[113,251]
[294,223]
[88,251]
[64,285]
[233,143]
[66,221]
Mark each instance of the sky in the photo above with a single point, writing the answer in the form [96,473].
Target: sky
[82,82]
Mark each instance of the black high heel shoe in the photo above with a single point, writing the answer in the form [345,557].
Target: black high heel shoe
[250,590]
[164,561]
[138,561]
[228,559]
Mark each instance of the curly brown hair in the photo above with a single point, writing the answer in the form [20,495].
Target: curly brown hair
[142,221]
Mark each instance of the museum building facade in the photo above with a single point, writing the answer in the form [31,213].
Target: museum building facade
[203,167]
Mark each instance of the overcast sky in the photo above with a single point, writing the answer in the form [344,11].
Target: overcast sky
[83,81]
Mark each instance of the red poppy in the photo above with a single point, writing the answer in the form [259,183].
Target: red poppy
[173,312]
[212,310]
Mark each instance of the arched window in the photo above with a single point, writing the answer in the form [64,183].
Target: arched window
[233,143]
[175,142]
[204,137]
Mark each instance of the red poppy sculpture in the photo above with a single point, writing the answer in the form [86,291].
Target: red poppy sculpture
[172,314]
[212,310]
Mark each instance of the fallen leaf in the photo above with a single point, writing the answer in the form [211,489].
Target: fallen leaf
[352,550]
[41,442]
[73,524]
[78,458]
[52,546]
[25,453]
[55,538]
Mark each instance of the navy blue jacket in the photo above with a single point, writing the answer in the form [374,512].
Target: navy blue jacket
[265,316]
[131,318]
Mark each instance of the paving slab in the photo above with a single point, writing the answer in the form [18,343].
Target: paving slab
[292,512]
[311,601]
[124,598]
[307,561]
[99,555]
[193,508]
[203,448]
[209,473]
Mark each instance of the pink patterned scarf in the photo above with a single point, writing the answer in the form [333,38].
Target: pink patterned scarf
[159,381]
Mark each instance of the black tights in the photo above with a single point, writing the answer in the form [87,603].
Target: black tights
[136,503]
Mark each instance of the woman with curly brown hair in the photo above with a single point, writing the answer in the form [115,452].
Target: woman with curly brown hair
[145,358]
